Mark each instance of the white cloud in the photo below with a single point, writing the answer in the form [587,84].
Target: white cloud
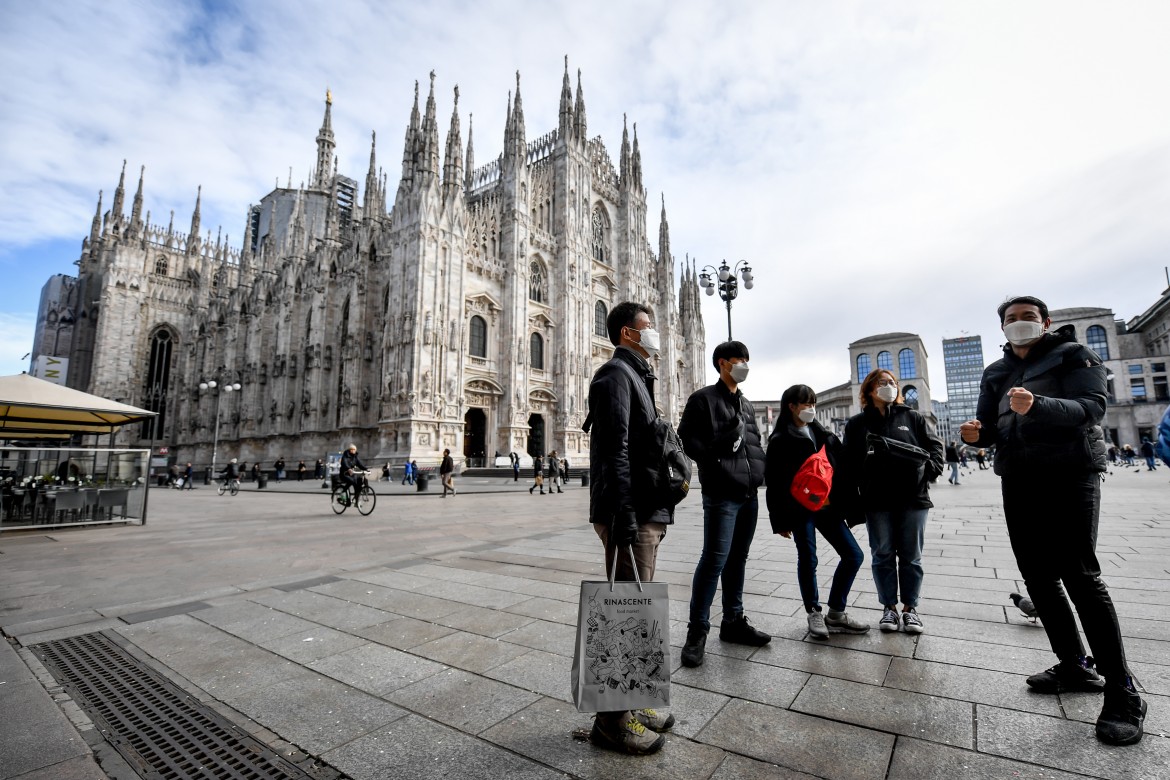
[883,167]
[16,337]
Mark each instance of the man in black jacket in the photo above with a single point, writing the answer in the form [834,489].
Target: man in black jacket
[1042,405]
[620,512]
[718,431]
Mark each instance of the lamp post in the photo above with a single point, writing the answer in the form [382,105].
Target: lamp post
[728,283]
[229,387]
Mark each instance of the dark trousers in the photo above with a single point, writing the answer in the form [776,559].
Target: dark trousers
[1052,524]
[838,535]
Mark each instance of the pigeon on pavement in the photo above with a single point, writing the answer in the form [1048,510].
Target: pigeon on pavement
[1026,606]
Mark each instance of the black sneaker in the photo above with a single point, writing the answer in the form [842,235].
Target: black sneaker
[625,736]
[739,631]
[695,648]
[1068,676]
[1122,717]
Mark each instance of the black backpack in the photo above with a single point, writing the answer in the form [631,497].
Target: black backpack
[667,469]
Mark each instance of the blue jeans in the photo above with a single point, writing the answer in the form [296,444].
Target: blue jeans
[841,538]
[728,527]
[895,545]
[954,473]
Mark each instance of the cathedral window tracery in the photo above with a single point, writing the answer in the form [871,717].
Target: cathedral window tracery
[537,283]
[537,351]
[160,266]
[477,331]
[599,317]
[601,250]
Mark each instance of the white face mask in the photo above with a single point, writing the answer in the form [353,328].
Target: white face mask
[807,415]
[1023,332]
[738,372]
[887,393]
[649,340]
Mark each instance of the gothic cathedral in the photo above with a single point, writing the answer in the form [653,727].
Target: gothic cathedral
[469,316]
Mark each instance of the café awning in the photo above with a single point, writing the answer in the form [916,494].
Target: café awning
[34,408]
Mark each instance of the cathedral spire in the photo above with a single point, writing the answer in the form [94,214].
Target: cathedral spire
[624,165]
[518,135]
[636,160]
[431,132]
[95,228]
[371,193]
[664,238]
[136,211]
[470,166]
[566,126]
[246,250]
[579,109]
[193,236]
[119,196]
[453,161]
[325,144]
[408,148]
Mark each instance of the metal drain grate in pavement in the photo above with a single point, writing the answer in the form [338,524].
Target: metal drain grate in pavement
[159,729]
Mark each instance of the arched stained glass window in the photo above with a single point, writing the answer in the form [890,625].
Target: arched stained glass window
[160,266]
[537,351]
[885,360]
[907,365]
[599,315]
[864,366]
[1097,340]
[910,393]
[478,337]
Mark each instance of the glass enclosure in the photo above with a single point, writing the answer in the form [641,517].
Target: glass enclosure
[42,487]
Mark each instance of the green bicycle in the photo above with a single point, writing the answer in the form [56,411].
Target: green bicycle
[344,497]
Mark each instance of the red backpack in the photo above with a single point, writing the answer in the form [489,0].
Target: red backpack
[813,481]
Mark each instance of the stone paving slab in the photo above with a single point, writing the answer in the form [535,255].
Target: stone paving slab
[35,733]
[443,648]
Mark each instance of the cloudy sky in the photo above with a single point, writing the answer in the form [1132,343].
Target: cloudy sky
[884,166]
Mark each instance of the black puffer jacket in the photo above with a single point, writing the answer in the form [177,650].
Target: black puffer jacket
[711,423]
[787,452]
[619,426]
[888,483]
[1062,431]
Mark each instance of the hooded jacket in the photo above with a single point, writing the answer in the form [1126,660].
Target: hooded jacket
[787,452]
[618,425]
[1061,433]
[713,420]
[888,483]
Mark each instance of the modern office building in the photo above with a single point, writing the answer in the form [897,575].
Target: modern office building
[963,366]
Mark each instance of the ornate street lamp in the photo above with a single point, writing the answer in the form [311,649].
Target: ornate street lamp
[728,283]
[229,387]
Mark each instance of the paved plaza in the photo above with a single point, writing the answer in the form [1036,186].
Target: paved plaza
[435,637]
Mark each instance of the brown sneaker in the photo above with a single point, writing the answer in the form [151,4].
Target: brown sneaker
[625,735]
[655,720]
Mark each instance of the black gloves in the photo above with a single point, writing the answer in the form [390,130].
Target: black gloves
[624,531]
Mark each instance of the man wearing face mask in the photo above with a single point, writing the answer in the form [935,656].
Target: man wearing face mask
[1042,406]
[618,422]
[718,430]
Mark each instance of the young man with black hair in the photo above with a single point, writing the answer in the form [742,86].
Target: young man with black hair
[1042,406]
[617,421]
[718,431]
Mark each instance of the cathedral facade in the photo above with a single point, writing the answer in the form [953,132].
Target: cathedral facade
[464,309]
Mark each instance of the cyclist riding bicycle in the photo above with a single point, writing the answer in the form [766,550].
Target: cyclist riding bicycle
[231,471]
[350,463]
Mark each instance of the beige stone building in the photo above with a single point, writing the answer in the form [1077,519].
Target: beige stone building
[462,308]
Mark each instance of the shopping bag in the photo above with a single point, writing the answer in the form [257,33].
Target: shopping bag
[621,660]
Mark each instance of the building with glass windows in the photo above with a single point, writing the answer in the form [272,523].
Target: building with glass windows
[963,366]
[1136,355]
[902,354]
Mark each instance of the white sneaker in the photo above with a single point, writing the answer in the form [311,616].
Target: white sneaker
[841,623]
[816,625]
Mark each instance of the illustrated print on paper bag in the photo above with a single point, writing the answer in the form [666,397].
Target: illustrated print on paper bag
[625,655]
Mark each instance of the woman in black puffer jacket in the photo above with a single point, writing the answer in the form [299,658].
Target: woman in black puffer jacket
[894,492]
[797,437]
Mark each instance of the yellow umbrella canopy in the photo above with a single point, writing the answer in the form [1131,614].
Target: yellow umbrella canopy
[33,408]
